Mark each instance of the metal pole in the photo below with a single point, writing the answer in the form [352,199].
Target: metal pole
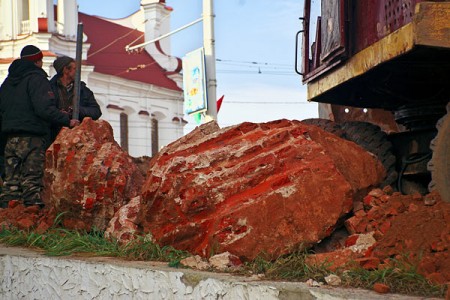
[76,94]
[210,59]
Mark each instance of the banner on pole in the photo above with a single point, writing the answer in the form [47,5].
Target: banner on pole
[194,82]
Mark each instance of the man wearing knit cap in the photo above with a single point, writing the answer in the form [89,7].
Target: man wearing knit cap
[27,109]
[63,87]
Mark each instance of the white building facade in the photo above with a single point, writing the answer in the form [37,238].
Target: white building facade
[139,93]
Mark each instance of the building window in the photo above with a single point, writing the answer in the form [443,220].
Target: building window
[155,138]
[124,131]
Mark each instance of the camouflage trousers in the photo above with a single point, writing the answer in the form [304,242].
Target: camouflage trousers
[24,169]
[2,156]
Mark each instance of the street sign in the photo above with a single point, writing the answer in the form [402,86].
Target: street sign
[194,82]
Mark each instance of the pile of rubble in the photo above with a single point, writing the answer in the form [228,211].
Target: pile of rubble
[391,227]
[240,191]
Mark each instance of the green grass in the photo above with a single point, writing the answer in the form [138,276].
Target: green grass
[402,277]
[62,242]
[288,267]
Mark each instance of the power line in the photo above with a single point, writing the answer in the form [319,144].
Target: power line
[113,42]
[259,67]
[266,68]
[253,62]
[242,64]
[259,72]
[138,67]
[268,102]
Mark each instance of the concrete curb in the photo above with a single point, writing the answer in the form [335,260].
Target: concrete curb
[26,274]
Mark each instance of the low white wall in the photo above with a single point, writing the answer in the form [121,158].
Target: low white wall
[28,275]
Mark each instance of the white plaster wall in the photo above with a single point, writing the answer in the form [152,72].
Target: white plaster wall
[49,278]
[134,97]
[27,275]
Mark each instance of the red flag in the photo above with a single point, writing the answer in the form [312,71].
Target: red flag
[219,103]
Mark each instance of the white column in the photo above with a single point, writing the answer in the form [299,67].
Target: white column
[38,9]
[153,15]
[6,21]
[210,59]
[68,18]
[157,18]
[17,18]
[50,16]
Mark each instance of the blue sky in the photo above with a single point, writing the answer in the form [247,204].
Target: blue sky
[255,41]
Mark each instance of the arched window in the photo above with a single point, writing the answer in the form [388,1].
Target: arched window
[155,137]
[124,131]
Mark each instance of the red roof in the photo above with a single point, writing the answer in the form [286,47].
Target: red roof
[107,53]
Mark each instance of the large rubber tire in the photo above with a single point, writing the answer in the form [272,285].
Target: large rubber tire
[374,140]
[439,165]
[326,125]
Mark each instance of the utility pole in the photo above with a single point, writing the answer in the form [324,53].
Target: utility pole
[77,85]
[210,59]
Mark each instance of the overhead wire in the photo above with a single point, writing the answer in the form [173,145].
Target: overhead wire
[122,37]
[250,62]
[242,67]
[145,21]
[254,67]
[258,72]
[138,67]
[112,43]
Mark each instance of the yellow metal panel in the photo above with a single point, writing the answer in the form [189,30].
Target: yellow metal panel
[430,27]
[393,45]
[432,24]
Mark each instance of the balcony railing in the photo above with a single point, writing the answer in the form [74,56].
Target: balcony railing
[25,27]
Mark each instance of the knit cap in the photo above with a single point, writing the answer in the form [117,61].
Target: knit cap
[31,53]
[61,62]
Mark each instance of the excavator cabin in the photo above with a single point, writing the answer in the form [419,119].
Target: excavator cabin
[383,65]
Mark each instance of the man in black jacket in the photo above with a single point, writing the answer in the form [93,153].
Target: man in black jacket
[63,87]
[27,109]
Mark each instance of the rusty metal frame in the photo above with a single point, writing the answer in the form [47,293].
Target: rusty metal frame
[430,27]
[318,65]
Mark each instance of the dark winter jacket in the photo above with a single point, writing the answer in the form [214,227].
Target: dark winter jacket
[88,105]
[27,104]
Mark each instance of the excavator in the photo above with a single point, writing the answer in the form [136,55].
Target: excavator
[380,71]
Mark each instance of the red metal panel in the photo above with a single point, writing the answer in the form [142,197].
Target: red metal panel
[349,26]
[373,20]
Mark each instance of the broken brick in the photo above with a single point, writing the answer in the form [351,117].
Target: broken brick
[385,226]
[381,288]
[368,263]
[351,240]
